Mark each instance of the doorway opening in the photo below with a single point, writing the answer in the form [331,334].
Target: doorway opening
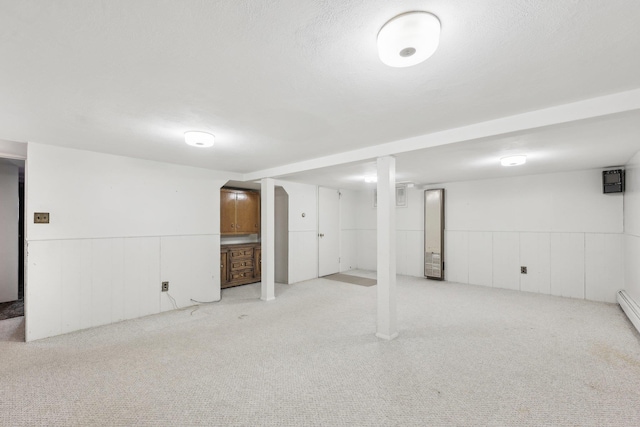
[281,235]
[12,244]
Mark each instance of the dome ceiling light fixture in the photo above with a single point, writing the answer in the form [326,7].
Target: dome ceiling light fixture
[199,139]
[513,160]
[408,39]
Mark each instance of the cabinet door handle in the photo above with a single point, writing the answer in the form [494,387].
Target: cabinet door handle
[321,234]
[237,226]
[221,266]
[232,225]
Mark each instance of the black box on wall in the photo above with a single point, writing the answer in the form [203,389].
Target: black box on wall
[613,181]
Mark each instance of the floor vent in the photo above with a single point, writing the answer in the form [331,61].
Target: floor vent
[631,309]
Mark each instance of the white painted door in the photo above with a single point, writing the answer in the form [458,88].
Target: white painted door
[328,231]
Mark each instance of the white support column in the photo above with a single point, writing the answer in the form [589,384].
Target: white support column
[387,327]
[268,234]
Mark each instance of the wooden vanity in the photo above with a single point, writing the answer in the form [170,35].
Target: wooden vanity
[240,264]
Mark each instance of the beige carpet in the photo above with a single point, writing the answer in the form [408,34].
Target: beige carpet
[348,278]
[466,356]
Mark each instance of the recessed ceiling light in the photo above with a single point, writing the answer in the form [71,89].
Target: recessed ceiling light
[513,160]
[408,39]
[371,178]
[199,139]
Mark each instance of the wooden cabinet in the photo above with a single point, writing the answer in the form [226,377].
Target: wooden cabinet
[239,211]
[227,211]
[240,263]
[257,262]
[224,271]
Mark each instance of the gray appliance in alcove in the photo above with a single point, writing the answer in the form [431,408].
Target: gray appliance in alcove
[434,234]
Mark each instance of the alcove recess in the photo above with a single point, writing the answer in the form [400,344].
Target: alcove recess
[240,251]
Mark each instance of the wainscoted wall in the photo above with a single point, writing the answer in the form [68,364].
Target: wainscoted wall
[81,283]
[632,228]
[576,265]
[560,226]
[118,227]
[409,233]
[348,230]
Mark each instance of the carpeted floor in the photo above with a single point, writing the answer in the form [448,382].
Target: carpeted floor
[466,356]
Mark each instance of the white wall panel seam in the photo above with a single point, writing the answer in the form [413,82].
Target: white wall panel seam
[121,237]
[468,255]
[584,262]
[493,233]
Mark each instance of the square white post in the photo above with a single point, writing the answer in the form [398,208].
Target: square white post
[387,327]
[268,234]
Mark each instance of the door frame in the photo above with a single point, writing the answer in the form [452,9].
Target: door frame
[338,234]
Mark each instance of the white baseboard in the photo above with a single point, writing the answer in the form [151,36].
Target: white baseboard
[630,308]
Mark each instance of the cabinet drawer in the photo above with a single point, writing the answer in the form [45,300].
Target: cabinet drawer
[243,274]
[241,253]
[242,264]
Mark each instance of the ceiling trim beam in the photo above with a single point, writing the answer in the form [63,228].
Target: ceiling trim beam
[580,110]
[13,149]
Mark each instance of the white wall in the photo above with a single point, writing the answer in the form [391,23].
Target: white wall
[632,228]
[303,230]
[9,215]
[409,233]
[118,227]
[561,226]
[348,230]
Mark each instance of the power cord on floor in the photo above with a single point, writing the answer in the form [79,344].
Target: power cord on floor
[203,302]
[199,303]
[173,301]
[175,304]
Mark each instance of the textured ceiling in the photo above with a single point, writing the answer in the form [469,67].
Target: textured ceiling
[288,80]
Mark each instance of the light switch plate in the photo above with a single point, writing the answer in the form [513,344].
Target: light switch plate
[41,217]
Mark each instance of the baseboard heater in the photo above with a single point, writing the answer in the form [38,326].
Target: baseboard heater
[630,308]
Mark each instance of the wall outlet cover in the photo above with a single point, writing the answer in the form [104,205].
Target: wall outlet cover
[41,217]
[165,286]
[523,270]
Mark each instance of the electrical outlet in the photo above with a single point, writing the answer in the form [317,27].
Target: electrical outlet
[523,270]
[41,217]
[165,286]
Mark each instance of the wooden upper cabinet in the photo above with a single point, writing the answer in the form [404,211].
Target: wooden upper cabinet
[239,211]
[248,212]
[227,211]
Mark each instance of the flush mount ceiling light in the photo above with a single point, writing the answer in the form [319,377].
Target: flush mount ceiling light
[370,178]
[408,39]
[199,139]
[513,160]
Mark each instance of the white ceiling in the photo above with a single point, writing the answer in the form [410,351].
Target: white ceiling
[285,81]
[587,144]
